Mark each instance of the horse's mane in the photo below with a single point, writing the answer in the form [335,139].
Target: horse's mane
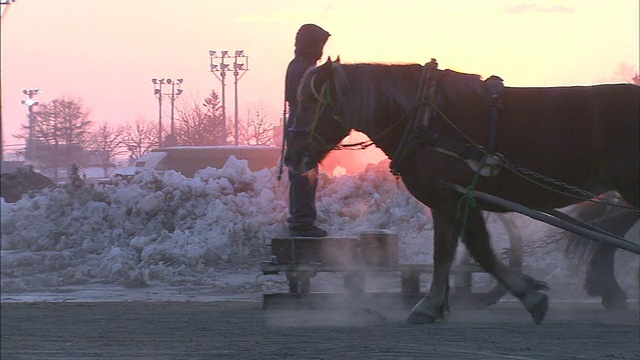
[376,83]
[363,87]
[461,86]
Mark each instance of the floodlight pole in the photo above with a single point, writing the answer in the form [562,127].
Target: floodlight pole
[157,91]
[30,148]
[239,69]
[221,68]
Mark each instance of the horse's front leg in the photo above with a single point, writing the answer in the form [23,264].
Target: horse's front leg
[519,285]
[433,306]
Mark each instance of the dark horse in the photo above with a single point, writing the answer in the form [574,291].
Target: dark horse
[583,136]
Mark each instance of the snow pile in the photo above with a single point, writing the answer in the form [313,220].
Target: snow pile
[168,230]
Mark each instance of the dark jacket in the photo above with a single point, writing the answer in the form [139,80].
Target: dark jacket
[296,69]
[310,40]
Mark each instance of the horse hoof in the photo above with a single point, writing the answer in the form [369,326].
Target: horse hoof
[541,285]
[537,305]
[536,284]
[419,317]
[615,304]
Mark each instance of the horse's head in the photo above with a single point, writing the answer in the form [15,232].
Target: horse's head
[317,128]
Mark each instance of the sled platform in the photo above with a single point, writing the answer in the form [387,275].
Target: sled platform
[356,258]
[369,249]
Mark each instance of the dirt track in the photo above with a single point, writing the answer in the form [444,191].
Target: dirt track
[242,330]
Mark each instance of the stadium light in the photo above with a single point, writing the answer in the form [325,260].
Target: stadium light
[219,69]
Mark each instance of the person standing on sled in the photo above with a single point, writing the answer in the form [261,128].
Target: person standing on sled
[310,40]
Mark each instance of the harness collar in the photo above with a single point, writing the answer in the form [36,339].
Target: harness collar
[481,161]
[424,104]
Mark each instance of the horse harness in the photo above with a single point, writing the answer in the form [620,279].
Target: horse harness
[483,161]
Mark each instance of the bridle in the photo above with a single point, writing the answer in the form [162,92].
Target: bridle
[324,102]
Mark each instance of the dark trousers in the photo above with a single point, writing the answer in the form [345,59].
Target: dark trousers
[302,201]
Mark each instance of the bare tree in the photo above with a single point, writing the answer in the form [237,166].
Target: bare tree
[192,126]
[61,131]
[107,142]
[200,124]
[256,128]
[140,137]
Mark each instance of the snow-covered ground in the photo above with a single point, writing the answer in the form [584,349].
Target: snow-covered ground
[174,238]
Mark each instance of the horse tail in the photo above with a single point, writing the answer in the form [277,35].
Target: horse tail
[580,250]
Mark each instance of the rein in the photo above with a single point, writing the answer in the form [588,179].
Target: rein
[324,100]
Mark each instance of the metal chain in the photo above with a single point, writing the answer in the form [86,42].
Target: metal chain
[587,196]
[538,244]
[356,146]
[528,247]
[556,182]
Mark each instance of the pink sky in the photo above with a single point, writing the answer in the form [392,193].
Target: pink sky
[107,52]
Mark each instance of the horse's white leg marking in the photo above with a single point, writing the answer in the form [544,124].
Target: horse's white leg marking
[433,306]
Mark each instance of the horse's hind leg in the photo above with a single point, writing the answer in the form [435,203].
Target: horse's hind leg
[433,306]
[519,285]
[600,279]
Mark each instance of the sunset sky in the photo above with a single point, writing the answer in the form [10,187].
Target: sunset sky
[107,52]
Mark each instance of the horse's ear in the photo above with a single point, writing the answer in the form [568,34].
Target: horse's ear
[338,60]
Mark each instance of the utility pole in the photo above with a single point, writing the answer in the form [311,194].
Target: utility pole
[173,95]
